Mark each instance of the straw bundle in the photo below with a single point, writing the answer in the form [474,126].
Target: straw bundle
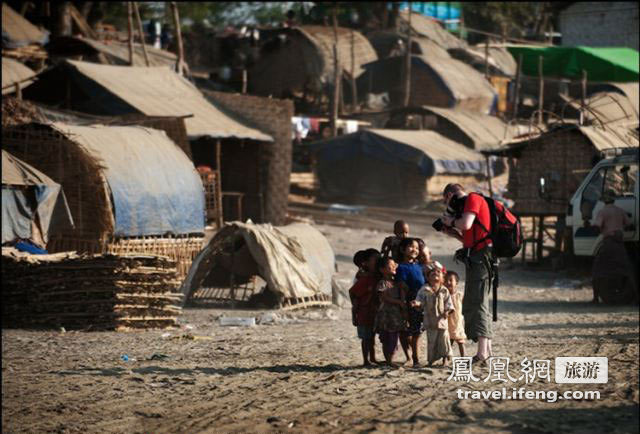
[94,292]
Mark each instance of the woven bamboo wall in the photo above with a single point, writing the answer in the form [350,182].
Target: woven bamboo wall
[562,159]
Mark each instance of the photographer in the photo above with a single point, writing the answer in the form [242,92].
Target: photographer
[468,220]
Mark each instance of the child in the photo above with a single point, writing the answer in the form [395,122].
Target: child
[358,260]
[392,314]
[365,303]
[456,320]
[410,274]
[424,258]
[436,303]
[390,245]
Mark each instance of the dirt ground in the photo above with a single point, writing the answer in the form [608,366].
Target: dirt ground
[304,375]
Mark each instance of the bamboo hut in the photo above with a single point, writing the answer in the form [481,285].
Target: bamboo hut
[160,92]
[562,156]
[391,167]
[300,62]
[439,82]
[129,188]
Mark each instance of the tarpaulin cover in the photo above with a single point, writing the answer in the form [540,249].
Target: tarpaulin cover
[295,260]
[602,64]
[21,181]
[156,189]
[429,151]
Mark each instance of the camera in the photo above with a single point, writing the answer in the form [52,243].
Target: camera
[438,225]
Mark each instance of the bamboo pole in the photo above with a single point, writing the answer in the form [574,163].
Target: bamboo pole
[130,28]
[141,33]
[407,64]
[541,90]
[354,91]
[583,95]
[176,23]
[219,218]
[486,57]
[516,100]
[336,76]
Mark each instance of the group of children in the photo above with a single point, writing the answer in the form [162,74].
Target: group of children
[400,292]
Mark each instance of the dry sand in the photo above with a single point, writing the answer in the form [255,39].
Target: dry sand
[304,376]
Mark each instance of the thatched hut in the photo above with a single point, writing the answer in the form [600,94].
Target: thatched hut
[129,188]
[391,167]
[439,82]
[562,156]
[299,61]
[390,44]
[472,129]
[15,74]
[429,28]
[218,138]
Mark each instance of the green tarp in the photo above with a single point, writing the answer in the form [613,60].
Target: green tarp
[617,64]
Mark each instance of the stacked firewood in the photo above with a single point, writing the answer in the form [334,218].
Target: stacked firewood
[90,292]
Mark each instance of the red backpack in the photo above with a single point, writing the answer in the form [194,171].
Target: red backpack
[506,231]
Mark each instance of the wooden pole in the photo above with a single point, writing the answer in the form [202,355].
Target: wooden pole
[141,33]
[583,95]
[354,91]
[336,77]
[541,90]
[486,57]
[407,64]
[516,99]
[18,91]
[130,28]
[486,157]
[176,23]
[219,218]
[244,81]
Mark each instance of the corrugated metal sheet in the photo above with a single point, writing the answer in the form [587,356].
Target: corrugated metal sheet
[18,32]
[322,37]
[464,82]
[486,132]
[155,187]
[429,28]
[609,138]
[158,91]
[14,72]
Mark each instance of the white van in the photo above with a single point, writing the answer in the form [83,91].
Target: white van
[618,172]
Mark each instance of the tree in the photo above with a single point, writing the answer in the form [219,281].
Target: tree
[513,19]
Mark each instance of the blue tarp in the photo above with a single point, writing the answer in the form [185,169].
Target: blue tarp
[17,214]
[155,188]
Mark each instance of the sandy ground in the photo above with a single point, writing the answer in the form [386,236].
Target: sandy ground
[304,376]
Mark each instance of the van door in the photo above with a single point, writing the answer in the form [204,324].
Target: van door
[621,178]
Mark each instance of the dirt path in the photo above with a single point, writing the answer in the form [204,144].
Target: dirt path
[304,376]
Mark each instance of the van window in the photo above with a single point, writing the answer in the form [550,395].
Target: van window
[592,193]
[621,179]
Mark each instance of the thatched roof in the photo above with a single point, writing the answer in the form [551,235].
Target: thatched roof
[323,39]
[500,61]
[14,72]
[115,52]
[18,32]
[484,131]
[302,57]
[153,91]
[384,42]
[430,29]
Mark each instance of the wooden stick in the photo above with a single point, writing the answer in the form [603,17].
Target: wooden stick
[336,76]
[516,100]
[541,89]
[583,96]
[141,33]
[407,64]
[130,28]
[354,90]
[486,57]
[176,23]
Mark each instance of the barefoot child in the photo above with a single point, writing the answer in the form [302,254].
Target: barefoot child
[391,244]
[358,260]
[435,301]
[365,303]
[391,316]
[410,274]
[456,320]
